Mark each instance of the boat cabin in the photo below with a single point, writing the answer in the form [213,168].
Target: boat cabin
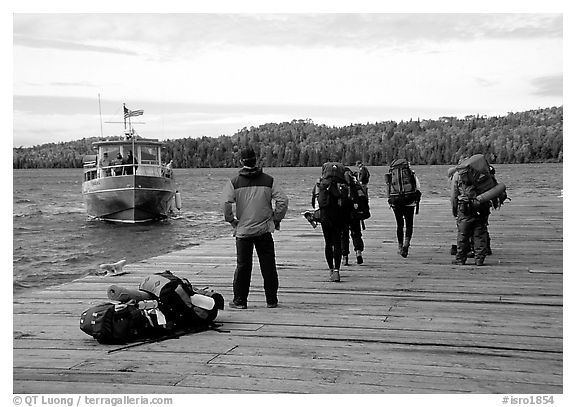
[131,156]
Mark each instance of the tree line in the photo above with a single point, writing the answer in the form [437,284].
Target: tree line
[524,137]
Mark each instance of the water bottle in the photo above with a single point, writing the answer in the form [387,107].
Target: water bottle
[202,301]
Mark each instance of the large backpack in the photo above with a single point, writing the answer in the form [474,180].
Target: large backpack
[114,323]
[360,209]
[474,172]
[174,296]
[332,188]
[333,169]
[401,183]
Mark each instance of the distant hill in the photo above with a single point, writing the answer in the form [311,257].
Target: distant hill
[530,136]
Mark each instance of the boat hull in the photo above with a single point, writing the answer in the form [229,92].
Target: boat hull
[129,198]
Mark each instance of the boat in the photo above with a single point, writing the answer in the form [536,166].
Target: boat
[126,181]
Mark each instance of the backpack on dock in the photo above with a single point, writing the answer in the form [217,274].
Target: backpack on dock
[164,303]
[401,182]
[114,323]
[176,300]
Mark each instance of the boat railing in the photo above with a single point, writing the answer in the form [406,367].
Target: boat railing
[91,171]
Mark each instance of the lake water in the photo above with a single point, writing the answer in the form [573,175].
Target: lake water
[54,241]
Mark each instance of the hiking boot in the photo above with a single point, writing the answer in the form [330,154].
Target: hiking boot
[459,262]
[232,304]
[453,250]
[405,246]
[404,251]
[479,261]
[400,247]
[334,276]
[359,259]
[345,260]
[273,305]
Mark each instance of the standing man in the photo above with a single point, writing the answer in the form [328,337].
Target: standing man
[252,192]
[104,166]
[363,175]
[130,164]
[118,165]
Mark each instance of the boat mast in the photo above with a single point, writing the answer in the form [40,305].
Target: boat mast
[130,133]
[100,109]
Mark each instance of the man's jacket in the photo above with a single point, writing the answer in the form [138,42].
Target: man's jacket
[253,191]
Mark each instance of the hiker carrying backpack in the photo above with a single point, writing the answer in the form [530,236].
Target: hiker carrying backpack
[471,180]
[363,174]
[333,199]
[358,211]
[475,189]
[404,198]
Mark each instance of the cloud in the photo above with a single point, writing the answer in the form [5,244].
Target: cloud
[61,105]
[548,86]
[211,70]
[52,105]
[191,32]
[66,45]
[484,82]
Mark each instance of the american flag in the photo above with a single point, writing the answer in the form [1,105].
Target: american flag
[131,113]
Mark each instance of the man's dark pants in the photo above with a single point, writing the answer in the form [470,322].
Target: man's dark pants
[244,250]
[471,227]
[355,229]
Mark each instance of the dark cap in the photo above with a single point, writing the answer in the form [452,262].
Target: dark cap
[247,154]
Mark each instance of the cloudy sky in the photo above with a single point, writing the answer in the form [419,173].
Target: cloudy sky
[215,73]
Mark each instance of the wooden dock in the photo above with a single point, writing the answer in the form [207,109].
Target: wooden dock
[392,325]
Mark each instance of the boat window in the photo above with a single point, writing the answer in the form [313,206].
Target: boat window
[111,150]
[126,149]
[149,154]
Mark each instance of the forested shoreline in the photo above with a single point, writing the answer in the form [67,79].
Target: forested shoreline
[525,137]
